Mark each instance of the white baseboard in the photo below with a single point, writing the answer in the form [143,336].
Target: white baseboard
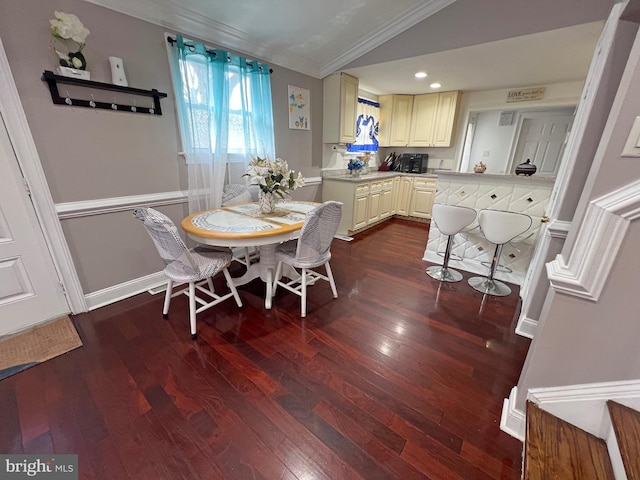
[527,327]
[124,290]
[512,420]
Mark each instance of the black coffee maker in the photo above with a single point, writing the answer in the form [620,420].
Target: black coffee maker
[413,162]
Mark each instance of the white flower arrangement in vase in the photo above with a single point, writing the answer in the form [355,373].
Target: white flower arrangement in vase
[66,28]
[274,177]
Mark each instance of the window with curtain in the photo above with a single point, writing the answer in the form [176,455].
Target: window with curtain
[225,115]
[368,115]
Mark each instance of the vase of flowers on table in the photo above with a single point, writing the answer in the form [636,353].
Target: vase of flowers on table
[69,39]
[275,179]
[355,167]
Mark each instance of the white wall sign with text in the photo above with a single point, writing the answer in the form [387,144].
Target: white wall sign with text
[525,94]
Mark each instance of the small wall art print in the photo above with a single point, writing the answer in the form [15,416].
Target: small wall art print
[299,108]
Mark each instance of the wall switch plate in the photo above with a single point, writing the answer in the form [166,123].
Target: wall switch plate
[632,145]
[117,72]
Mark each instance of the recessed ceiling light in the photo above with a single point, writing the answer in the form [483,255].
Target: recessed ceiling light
[435,85]
[421,74]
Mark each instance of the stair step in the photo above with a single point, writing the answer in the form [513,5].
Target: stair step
[555,449]
[626,425]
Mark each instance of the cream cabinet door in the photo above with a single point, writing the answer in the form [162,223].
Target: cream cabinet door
[395,120]
[423,196]
[360,212]
[340,103]
[348,108]
[422,203]
[423,120]
[386,197]
[445,117]
[404,195]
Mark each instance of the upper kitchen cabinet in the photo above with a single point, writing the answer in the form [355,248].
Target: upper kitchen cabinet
[433,119]
[395,120]
[340,102]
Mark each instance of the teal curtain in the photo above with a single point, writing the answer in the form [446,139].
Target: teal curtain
[225,115]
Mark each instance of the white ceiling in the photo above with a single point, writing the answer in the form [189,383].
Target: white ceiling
[318,37]
[555,56]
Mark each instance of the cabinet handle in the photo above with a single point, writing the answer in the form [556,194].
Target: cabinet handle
[544,219]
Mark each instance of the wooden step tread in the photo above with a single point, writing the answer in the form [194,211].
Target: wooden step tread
[555,449]
[626,425]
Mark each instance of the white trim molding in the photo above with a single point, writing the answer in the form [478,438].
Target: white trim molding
[124,290]
[100,206]
[597,244]
[527,327]
[512,420]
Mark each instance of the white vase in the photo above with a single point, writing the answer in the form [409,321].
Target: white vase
[267,202]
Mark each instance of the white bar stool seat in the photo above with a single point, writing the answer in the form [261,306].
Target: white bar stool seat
[450,220]
[499,227]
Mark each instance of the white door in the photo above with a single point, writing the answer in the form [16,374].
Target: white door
[542,141]
[30,291]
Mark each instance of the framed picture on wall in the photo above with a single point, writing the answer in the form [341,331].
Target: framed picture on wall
[299,108]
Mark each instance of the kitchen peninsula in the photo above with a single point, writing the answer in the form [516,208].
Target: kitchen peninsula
[516,193]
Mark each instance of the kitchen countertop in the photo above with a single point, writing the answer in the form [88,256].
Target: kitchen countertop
[375,175]
[497,176]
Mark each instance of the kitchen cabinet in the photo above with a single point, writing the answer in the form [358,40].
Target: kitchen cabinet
[361,207]
[395,120]
[433,119]
[394,195]
[340,102]
[404,195]
[367,203]
[422,197]
[417,120]
[386,198]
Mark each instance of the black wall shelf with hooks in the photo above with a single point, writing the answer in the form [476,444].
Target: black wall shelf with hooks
[53,80]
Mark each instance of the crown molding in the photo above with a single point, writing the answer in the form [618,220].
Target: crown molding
[387,31]
[598,242]
[180,19]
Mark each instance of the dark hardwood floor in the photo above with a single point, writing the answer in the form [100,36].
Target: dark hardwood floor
[399,377]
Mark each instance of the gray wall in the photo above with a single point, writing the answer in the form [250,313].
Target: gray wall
[88,155]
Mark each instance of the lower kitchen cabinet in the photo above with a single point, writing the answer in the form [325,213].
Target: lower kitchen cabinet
[404,196]
[422,197]
[368,202]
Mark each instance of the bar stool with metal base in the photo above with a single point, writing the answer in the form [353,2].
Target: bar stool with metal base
[499,227]
[450,220]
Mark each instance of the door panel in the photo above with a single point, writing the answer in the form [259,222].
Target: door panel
[30,291]
[542,141]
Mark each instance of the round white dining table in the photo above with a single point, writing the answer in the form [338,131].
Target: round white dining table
[245,226]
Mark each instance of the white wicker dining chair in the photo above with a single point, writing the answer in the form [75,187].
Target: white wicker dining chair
[237,194]
[309,251]
[194,266]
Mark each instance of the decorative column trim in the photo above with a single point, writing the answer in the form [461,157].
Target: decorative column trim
[602,231]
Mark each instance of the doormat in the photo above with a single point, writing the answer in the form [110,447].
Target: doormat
[36,345]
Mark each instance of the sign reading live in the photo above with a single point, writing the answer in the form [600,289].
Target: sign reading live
[44,466]
[525,94]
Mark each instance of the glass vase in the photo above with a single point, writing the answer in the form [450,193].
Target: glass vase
[266,202]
